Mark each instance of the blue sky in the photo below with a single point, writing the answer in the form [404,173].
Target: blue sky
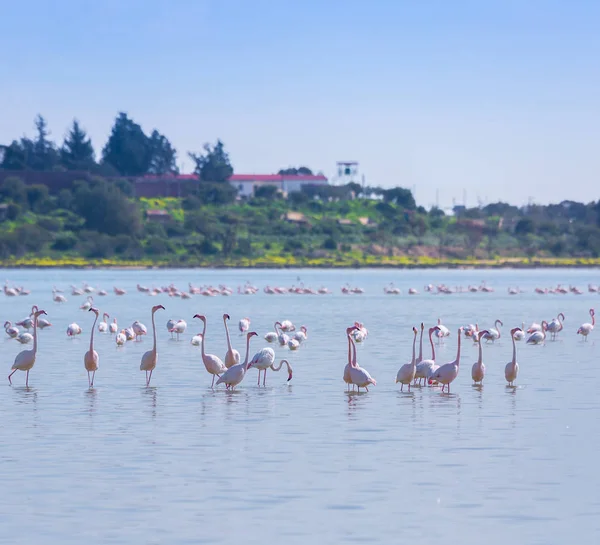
[498,99]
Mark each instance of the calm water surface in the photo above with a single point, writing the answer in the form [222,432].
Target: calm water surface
[181,463]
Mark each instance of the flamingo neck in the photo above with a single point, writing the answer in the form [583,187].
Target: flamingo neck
[497,324]
[92,335]
[421,346]
[432,345]
[413,361]
[593,318]
[153,334]
[480,360]
[227,335]
[458,350]
[247,351]
[203,338]
[354,364]
[35,335]
[514,360]
[349,351]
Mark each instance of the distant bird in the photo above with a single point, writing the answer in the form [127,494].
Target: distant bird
[26,359]
[197,339]
[585,329]
[538,337]
[555,326]
[24,337]
[301,335]
[293,344]
[90,358]
[287,326]
[236,373]
[179,328]
[88,303]
[139,329]
[150,358]
[273,336]
[121,339]
[113,327]
[492,334]
[512,367]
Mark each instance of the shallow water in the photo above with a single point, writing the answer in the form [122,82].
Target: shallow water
[181,463]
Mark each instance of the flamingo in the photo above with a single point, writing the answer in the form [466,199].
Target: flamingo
[586,329]
[58,298]
[406,373]
[42,323]
[262,360]
[90,359]
[244,325]
[555,326]
[358,375]
[113,327]
[301,335]
[26,359]
[347,378]
[139,329]
[73,330]
[197,339]
[24,338]
[213,363]
[442,331]
[232,356]
[11,330]
[103,326]
[512,367]
[478,369]
[493,334]
[26,323]
[88,303]
[273,336]
[520,334]
[150,358]
[119,291]
[121,338]
[360,332]
[538,337]
[179,328]
[236,373]
[287,326]
[425,368]
[446,373]
[276,368]
[129,333]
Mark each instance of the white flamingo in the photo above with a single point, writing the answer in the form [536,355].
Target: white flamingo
[90,358]
[301,335]
[139,329]
[347,377]
[129,333]
[103,325]
[406,373]
[232,356]
[426,368]
[197,339]
[287,326]
[88,303]
[263,360]
[586,329]
[11,330]
[150,358]
[447,373]
[273,336]
[555,326]
[58,298]
[512,367]
[236,373]
[26,359]
[520,334]
[170,324]
[179,328]
[213,363]
[538,337]
[276,368]
[442,331]
[121,338]
[493,334]
[293,344]
[244,325]
[113,327]
[359,376]
[73,330]
[478,369]
[24,338]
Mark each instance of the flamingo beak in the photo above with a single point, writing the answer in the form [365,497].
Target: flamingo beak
[290,377]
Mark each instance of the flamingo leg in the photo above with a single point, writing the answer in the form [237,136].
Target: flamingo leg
[27,378]
[401,386]
[89,381]
[265,377]
[409,386]
[367,388]
[213,382]
[258,383]
[93,376]
[149,379]
[146,378]
[10,381]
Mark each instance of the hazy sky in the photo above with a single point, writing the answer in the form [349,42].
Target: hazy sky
[497,98]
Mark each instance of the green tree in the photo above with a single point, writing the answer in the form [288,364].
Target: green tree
[45,155]
[400,196]
[128,149]
[77,152]
[14,156]
[163,159]
[300,171]
[214,164]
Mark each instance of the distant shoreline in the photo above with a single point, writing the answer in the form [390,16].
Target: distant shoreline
[373,262]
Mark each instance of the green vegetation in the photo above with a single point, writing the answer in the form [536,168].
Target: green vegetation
[99,222]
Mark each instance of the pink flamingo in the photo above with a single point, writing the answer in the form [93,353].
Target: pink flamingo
[447,373]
